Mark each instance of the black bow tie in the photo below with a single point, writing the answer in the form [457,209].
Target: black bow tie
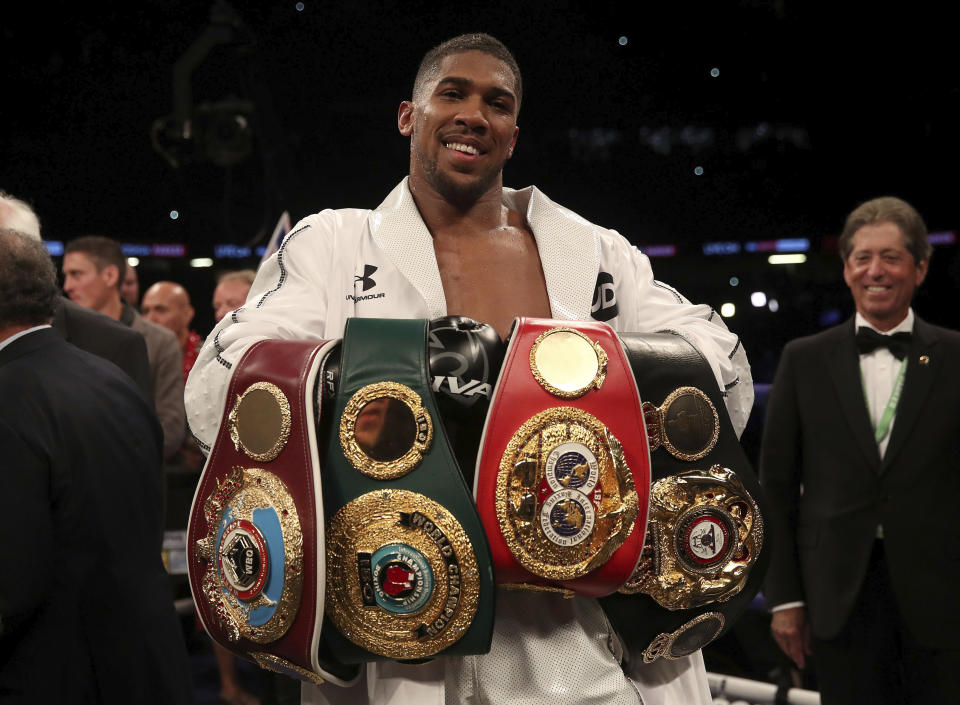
[869,340]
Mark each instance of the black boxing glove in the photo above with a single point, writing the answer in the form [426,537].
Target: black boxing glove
[465,357]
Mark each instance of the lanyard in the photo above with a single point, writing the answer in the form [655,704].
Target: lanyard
[882,428]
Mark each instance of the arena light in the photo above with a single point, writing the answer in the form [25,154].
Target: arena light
[758,299]
[133,261]
[201,262]
[798,258]
[728,310]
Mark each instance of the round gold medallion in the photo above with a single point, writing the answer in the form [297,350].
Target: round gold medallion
[260,421]
[402,577]
[565,497]
[690,637]
[385,430]
[690,425]
[567,363]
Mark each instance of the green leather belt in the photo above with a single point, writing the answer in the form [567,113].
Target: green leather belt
[409,573]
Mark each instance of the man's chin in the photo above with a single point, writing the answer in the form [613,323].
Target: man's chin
[463,191]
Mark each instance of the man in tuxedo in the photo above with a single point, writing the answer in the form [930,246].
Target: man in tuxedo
[860,461]
[86,614]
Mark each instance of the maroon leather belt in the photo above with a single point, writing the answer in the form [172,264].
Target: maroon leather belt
[256,528]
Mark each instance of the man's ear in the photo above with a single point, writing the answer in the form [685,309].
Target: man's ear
[405,118]
[513,143]
[111,275]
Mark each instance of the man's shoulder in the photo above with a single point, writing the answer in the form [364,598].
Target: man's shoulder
[822,340]
[155,334]
[48,358]
[75,322]
[949,336]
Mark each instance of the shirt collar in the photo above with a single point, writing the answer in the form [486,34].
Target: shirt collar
[22,333]
[905,326]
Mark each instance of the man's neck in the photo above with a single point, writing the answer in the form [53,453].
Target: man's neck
[11,331]
[113,308]
[884,325]
[439,214]
[183,338]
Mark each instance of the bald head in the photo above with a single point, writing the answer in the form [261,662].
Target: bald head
[168,304]
[17,215]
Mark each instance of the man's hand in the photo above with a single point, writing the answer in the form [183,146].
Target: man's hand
[792,633]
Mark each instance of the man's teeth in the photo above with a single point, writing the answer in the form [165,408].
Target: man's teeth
[462,148]
[876,288]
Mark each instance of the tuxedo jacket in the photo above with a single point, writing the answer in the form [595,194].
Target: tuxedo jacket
[105,337]
[85,605]
[829,488]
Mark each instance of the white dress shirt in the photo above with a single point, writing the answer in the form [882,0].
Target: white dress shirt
[879,371]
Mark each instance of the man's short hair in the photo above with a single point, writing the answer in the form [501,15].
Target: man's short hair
[28,281]
[888,209]
[458,45]
[102,251]
[241,275]
[18,215]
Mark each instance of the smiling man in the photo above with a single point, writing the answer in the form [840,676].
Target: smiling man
[452,240]
[862,429]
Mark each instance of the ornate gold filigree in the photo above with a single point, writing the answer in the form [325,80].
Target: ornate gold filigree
[671,570]
[662,645]
[278,665]
[567,363]
[419,442]
[603,502]
[382,520]
[242,492]
[260,421]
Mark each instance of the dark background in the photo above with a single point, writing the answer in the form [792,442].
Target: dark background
[813,111]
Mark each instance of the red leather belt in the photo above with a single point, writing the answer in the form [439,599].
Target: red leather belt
[256,528]
[563,475]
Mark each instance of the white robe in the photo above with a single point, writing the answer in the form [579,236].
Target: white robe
[343,263]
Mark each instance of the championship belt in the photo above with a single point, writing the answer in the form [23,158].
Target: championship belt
[255,548]
[564,469]
[703,560]
[408,566]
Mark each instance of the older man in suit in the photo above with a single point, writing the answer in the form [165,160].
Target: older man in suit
[861,461]
[86,614]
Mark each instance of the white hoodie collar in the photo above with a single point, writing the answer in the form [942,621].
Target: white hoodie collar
[569,248]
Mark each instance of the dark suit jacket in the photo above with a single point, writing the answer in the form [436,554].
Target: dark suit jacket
[107,338]
[86,610]
[818,435]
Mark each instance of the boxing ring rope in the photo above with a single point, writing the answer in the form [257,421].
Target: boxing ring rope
[730,689]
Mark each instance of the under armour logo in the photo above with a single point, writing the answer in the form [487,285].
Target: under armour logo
[368,283]
[604,299]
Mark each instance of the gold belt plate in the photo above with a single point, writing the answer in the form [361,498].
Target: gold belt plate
[253,535]
[705,531]
[402,576]
[566,499]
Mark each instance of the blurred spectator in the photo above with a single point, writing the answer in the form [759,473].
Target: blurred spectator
[87,615]
[168,304]
[86,329]
[93,268]
[130,288]
[231,291]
